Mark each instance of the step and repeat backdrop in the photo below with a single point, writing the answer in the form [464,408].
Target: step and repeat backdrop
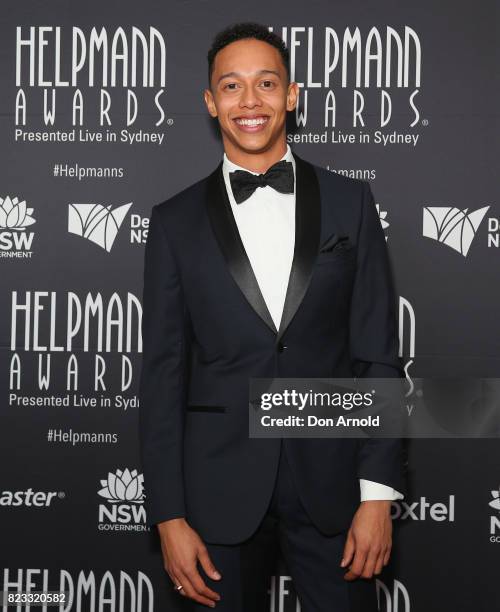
[102,116]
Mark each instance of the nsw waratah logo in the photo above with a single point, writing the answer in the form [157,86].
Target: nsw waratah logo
[495,502]
[15,218]
[382,215]
[97,223]
[15,215]
[123,486]
[454,227]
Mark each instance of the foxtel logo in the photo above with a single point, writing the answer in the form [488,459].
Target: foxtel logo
[421,510]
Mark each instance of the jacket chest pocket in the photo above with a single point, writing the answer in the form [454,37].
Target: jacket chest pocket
[341,255]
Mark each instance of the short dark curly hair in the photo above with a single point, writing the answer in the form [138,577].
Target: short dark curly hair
[240,31]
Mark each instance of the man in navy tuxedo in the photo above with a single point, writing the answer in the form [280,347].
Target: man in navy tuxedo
[268,267]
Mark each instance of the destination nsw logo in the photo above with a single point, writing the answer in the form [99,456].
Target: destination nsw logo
[97,223]
[457,228]
[124,509]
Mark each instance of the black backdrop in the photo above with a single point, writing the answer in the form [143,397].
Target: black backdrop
[71,488]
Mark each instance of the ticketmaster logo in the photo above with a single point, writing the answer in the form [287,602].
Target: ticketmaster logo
[97,223]
[29,498]
[454,227]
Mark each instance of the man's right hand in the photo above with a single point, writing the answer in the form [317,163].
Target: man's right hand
[182,547]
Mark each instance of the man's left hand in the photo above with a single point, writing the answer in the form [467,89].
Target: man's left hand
[369,540]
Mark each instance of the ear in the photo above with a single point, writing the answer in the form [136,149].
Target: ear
[292,96]
[209,101]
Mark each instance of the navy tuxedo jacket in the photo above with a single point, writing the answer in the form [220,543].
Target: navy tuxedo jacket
[207,330]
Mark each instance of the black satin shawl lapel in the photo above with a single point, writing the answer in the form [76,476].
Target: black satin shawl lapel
[307,236]
[229,240]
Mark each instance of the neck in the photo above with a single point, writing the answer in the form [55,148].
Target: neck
[256,162]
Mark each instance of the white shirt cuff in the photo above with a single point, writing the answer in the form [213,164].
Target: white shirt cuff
[375,490]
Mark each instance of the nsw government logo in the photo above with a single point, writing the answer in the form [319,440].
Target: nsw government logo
[15,218]
[97,223]
[124,509]
[495,518]
[382,215]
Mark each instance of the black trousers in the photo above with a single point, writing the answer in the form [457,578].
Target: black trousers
[249,580]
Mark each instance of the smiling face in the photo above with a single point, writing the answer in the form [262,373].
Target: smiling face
[250,96]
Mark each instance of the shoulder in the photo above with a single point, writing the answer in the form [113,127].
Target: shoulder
[344,198]
[339,183]
[187,204]
[180,202]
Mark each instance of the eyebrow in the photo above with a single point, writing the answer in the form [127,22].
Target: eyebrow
[238,74]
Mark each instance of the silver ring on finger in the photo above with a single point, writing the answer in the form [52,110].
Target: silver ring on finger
[178,588]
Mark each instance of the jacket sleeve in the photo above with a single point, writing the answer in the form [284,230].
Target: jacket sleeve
[162,381]
[374,340]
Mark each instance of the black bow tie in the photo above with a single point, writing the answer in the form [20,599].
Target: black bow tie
[279,176]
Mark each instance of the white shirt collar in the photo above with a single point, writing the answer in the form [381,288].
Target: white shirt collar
[229,166]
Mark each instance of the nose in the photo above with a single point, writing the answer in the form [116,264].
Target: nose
[249,97]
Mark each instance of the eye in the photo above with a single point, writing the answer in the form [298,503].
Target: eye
[271,84]
[229,86]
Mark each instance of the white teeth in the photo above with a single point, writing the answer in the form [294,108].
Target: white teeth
[257,121]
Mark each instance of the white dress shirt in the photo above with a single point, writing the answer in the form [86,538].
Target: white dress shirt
[266,223]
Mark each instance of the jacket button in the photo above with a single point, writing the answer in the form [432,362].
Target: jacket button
[281,347]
